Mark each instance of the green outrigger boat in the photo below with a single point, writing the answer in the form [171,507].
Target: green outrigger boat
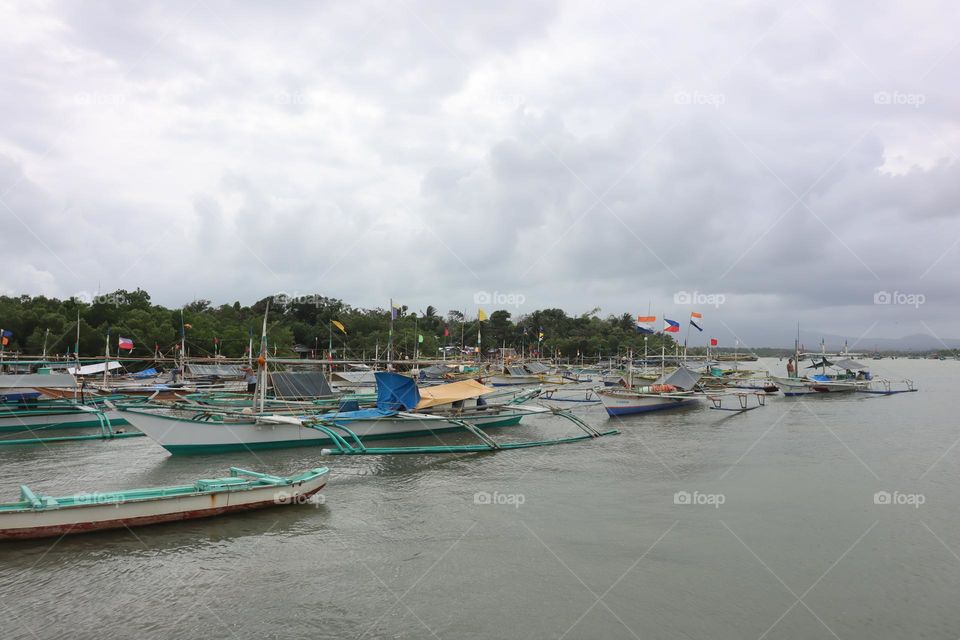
[40,516]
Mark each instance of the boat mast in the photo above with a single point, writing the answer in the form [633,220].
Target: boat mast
[390,337]
[262,363]
[106,362]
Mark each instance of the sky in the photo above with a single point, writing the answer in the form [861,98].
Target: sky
[764,164]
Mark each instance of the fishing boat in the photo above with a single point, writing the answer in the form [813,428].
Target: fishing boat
[402,410]
[839,373]
[669,391]
[40,516]
[29,407]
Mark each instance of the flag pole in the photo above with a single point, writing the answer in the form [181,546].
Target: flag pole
[106,363]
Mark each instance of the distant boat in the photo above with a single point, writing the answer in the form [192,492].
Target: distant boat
[40,516]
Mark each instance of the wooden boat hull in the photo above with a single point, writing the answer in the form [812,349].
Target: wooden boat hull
[622,403]
[805,386]
[135,513]
[514,381]
[184,437]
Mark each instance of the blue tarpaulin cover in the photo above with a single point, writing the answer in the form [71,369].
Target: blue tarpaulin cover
[396,392]
[146,373]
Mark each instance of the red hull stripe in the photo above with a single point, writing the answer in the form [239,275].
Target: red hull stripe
[86,527]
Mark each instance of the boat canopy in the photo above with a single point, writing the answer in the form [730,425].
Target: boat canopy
[682,378]
[300,384]
[31,380]
[537,367]
[396,392]
[853,365]
[516,371]
[219,370]
[90,369]
[452,392]
[436,371]
[354,377]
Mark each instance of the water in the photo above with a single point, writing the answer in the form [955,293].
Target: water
[597,549]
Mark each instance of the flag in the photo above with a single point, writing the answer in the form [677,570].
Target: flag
[420,338]
[446,332]
[394,311]
[339,325]
[125,343]
[713,342]
[645,324]
[188,326]
[481,315]
[540,335]
[696,318]
[671,326]
[5,336]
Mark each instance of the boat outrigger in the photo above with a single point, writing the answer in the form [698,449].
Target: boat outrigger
[39,516]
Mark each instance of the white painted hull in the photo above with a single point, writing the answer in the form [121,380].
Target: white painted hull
[178,435]
[93,516]
[806,386]
[622,402]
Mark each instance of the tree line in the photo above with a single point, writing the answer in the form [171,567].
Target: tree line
[303,325]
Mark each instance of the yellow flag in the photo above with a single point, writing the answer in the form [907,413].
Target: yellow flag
[481,315]
[339,325]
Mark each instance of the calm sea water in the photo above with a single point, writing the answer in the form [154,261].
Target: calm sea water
[583,540]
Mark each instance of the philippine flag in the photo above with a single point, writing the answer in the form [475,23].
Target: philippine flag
[671,326]
[645,324]
[125,343]
[696,319]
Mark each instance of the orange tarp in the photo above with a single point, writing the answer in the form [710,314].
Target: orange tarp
[451,392]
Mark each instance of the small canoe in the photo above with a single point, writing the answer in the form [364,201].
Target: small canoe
[40,516]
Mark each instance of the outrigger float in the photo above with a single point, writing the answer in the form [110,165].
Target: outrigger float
[40,516]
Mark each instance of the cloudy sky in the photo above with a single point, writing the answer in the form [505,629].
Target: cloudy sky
[768,162]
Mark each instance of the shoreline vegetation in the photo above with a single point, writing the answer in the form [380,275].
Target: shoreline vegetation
[307,326]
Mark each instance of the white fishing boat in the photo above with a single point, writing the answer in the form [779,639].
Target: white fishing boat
[39,516]
[670,391]
[402,411]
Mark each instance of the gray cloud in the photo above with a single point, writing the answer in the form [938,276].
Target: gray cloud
[796,160]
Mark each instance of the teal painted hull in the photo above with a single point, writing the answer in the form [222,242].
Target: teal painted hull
[289,444]
[76,424]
